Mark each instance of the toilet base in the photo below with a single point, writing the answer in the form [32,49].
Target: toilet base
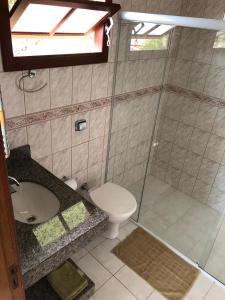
[112,231]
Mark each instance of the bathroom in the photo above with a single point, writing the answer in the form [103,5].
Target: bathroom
[150,119]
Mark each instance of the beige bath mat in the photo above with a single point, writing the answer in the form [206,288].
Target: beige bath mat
[157,264]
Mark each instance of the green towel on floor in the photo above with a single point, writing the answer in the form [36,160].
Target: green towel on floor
[67,281]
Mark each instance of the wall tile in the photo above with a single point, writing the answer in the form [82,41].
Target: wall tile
[206,116]
[181,72]
[178,155]
[95,176]
[218,57]
[186,183]
[97,123]
[192,163]
[62,163]
[100,77]
[219,124]
[204,46]
[170,7]
[79,137]
[119,164]
[124,42]
[129,72]
[214,11]
[173,106]
[13,98]
[61,134]
[194,9]
[82,78]
[153,6]
[189,110]
[138,6]
[61,86]
[46,162]
[79,158]
[215,148]
[188,39]
[215,81]
[17,137]
[164,150]
[173,176]
[198,75]
[220,179]
[183,135]
[121,143]
[168,129]
[208,171]
[201,191]
[37,101]
[217,200]
[95,151]
[39,138]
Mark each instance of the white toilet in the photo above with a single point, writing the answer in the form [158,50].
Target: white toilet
[117,202]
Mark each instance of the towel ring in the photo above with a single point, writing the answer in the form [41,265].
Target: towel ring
[30,74]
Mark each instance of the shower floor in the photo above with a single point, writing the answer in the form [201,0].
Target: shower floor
[186,224]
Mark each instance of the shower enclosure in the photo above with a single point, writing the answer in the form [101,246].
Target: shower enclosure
[167,136]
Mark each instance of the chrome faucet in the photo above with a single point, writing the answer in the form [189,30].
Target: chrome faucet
[15,181]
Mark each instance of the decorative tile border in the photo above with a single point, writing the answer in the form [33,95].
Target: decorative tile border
[26,120]
[30,119]
[195,95]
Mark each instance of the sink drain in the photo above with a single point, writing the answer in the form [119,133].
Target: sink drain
[31,219]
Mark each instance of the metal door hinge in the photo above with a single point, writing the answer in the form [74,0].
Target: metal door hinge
[13,274]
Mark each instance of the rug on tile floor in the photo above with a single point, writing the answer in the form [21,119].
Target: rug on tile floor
[168,273]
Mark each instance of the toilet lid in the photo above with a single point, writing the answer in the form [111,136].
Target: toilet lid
[114,199]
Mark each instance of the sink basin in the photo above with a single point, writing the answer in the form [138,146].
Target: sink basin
[33,203]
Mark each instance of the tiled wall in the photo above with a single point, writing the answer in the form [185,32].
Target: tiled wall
[191,151]
[54,143]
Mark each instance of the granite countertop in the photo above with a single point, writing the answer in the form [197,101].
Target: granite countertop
[76,216]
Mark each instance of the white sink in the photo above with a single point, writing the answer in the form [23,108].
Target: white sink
[33,203]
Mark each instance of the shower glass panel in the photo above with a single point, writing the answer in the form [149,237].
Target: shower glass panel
[137,87]
[184,196]
[167,137]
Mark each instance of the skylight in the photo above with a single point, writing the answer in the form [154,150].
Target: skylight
[81,21]
[67,17]
[143,28]
[160,30]
[49,15]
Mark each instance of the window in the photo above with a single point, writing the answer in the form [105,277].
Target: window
[51,33]
[149,36]
[219,40]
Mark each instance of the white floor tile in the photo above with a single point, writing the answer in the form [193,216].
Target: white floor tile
[126,230]
[103,254]
[113,290]
[215,293]
[78,254]
[156,296]
[134,283]
[200,287]
[95,243]
[97,273]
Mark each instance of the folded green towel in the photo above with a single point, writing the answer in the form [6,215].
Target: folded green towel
[67,281]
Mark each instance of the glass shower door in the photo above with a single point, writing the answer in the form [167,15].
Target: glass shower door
[183,200]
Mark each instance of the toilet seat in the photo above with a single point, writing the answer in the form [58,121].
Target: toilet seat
[114,199]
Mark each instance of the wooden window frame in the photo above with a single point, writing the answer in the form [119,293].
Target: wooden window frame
[12,63]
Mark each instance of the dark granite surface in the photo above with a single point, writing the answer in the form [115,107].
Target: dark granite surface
[38,246]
